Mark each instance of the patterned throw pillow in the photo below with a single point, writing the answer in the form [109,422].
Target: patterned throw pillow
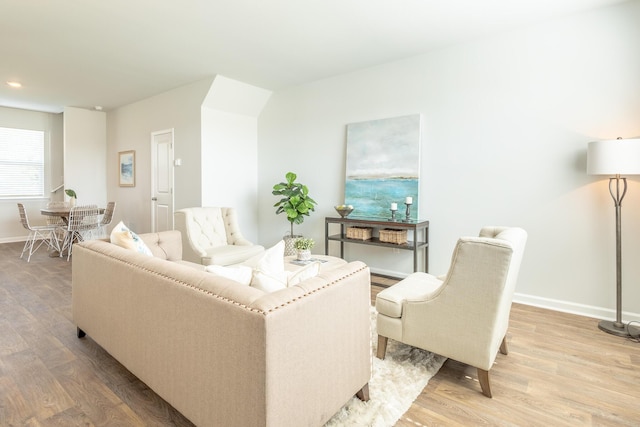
[123,237]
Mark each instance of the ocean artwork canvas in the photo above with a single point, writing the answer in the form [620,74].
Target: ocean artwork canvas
[383,166]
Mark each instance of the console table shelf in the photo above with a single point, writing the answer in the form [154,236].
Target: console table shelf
[417,227]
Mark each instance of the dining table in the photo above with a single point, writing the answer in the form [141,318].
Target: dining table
[62,212]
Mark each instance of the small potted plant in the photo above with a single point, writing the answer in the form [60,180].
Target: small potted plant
[303,247]
[72,196]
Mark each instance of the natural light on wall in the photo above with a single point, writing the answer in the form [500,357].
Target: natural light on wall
[21,163]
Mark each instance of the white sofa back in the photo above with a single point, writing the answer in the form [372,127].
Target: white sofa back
[222,353]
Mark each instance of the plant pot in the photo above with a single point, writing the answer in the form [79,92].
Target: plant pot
[289,240]
[304,254]
[72,202]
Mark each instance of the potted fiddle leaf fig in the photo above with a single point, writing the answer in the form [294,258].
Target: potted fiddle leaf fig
[294,200]
[295,203]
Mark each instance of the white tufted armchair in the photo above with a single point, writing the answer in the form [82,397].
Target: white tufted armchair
[211,235]
[465,314]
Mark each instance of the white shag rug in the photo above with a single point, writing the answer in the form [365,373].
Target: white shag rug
[395,383]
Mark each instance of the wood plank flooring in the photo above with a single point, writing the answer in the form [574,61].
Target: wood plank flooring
[561,370]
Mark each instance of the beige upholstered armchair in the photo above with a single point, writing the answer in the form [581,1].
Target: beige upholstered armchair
[211,235]
[465,314]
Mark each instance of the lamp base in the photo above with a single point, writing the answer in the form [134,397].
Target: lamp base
[624,331]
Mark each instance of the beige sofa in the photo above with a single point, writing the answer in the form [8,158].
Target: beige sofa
[221,353]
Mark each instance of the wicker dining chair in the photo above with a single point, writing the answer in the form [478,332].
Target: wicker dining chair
[107,218]
[57,221]
[38,234]
[83,221]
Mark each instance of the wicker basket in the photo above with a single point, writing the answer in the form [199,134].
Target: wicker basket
[360,233]
[389,235]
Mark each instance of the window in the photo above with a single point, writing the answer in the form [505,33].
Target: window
[21,163]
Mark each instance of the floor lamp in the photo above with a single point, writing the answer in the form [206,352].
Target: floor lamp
[615,158]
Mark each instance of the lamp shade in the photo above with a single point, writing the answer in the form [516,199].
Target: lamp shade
[614,157]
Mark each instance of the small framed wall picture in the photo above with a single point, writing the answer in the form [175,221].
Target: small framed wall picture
[127,168]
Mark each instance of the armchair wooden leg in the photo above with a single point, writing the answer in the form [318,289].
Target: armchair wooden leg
[483,377]
[382,347]
[363,393]
[503,346]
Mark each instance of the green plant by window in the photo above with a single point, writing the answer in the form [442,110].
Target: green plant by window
[71,193]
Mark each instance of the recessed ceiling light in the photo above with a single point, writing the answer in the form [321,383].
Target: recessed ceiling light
[15,84]
[98,107]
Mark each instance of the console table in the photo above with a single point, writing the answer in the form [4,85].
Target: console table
[419,227]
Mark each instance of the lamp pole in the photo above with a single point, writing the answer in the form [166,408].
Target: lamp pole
[617,327]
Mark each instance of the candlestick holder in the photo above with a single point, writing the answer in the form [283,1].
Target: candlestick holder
[393,215]
[408,214]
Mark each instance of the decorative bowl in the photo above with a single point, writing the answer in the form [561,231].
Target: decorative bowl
[344,210]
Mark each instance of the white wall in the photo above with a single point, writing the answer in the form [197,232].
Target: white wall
[130,128]
[230,149]
[506,122]
[85,155]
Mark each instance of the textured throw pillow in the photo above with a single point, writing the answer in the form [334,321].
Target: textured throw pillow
[241,273]
[123,237]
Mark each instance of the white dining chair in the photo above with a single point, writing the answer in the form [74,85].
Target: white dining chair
[57,221]
[83,221]
[38,234]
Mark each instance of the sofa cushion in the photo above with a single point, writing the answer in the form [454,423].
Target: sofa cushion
[123,237]
[240,273]
[164,244]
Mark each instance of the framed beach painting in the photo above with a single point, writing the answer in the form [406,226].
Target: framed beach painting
[127,168]
[383,166]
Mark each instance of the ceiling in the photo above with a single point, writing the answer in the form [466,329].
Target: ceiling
[109,53]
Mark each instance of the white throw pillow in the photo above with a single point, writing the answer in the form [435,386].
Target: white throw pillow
[269,282]
[266,271]
[307,272]
[123,237]
[240,273]
[271,261]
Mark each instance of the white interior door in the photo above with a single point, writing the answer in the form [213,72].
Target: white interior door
[162,180]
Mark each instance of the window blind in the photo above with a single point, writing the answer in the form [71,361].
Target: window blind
[21,163]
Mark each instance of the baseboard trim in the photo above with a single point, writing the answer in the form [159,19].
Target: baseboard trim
[574,308]
[13,239]
[388,273]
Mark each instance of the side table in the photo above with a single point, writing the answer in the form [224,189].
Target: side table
[420,229]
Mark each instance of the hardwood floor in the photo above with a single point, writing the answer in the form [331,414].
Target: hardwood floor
[561,370]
